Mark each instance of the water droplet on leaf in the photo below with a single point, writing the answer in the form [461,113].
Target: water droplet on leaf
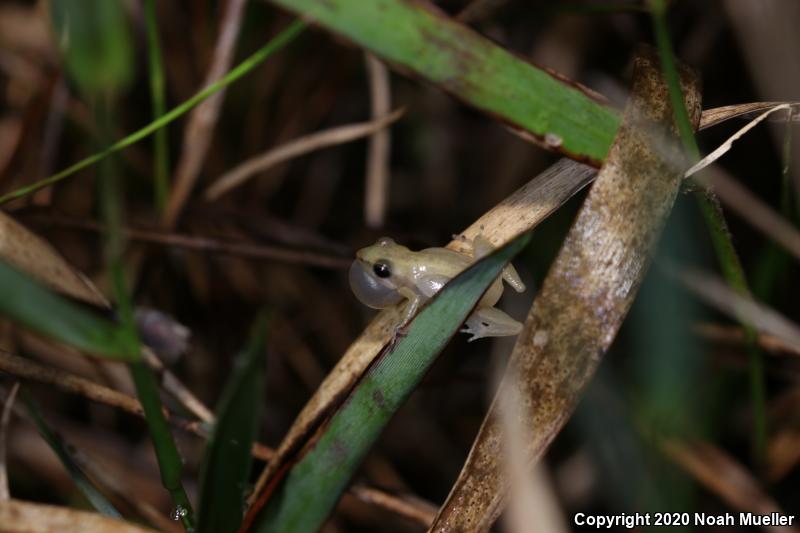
[178,513]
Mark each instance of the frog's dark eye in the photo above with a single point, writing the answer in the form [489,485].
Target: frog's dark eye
[382,269]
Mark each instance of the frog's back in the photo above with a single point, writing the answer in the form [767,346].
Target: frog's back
[444,261]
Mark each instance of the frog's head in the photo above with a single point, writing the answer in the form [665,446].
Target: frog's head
[376,274]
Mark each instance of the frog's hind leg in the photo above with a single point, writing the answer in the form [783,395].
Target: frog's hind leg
[511,277]
[481,247]
[491,322]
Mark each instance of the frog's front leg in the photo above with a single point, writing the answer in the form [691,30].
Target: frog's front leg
[414,301]
[490,322]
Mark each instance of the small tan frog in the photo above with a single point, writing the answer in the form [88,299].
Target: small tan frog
[386,273]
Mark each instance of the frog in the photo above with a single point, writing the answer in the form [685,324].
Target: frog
[387,273]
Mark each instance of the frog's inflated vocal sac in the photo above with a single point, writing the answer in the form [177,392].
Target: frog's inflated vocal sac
[386,273]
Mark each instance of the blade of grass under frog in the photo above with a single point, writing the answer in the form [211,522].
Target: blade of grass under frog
[314,483]
[423,41]
[60,448]
[29,303]
[520,212]
[226,465]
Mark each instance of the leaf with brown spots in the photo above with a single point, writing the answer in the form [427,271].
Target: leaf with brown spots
[584,298]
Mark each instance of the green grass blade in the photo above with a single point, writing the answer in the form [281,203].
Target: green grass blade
[157,97]
[96,43]
[227,461]
[27,302]
[170,464]
[314,484]
[243,68]
[61,450]
[718,228]
[427,43]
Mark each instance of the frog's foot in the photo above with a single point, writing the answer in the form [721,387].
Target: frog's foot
[490,322]
[479,247]
[399,334]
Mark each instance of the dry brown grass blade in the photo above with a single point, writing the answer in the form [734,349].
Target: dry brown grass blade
[296,148]
[783,453]
[728,334]
[725,477]
[31,254]
[24,517]
[205,244]
[584,298]
[520,212]
[418,511]
[537,509]
[32,371]
[726,146]
[718,115]
[5,418]
[23,368]
[113,480]
[379,144]
[533,506]
[718,294]
[200,126]
[27,252]
[414,509]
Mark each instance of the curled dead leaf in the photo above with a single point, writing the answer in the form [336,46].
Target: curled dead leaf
[31,254]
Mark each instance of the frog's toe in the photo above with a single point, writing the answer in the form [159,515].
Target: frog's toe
[477,328]
[470,331]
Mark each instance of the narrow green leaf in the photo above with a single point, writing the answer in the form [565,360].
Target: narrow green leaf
[726,254]
[313,485]
[226,465]
[158,99]
[170,464]
[95,40]
[111,203]
[424,41]
[61,449]
[27,302]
